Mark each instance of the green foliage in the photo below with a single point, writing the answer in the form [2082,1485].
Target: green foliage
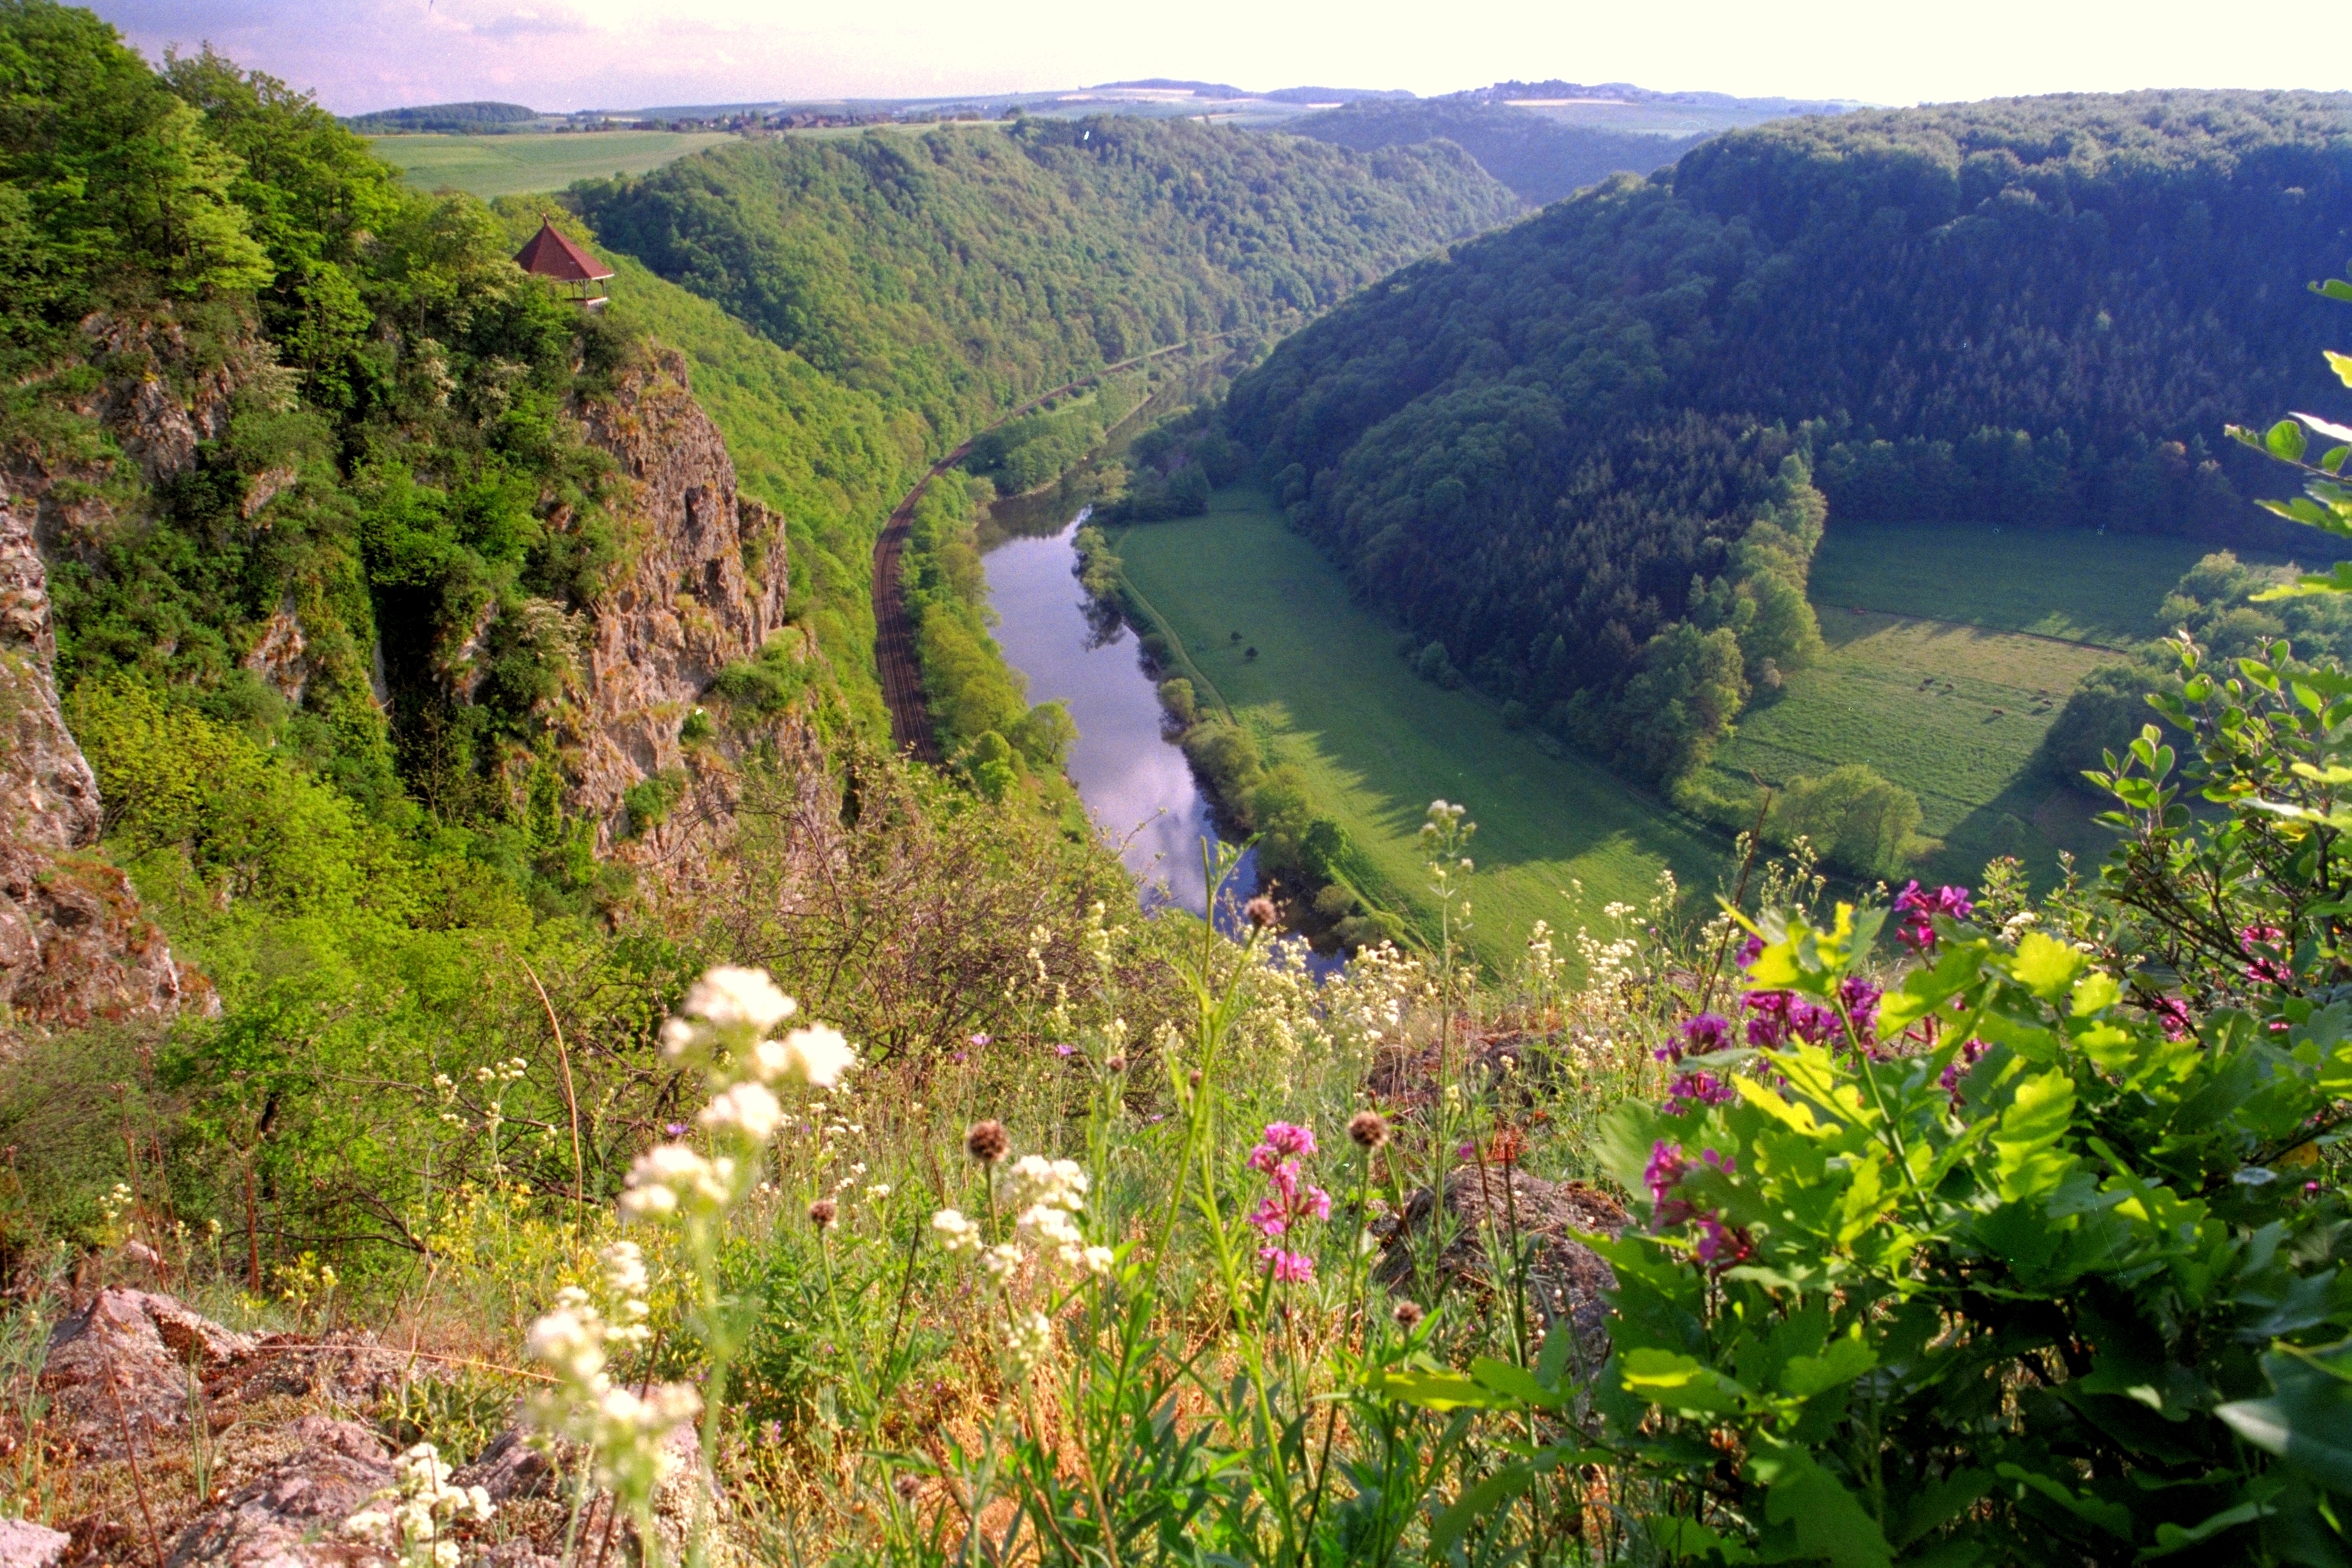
[1854,818]
[1540,159]
[961,270]
[2002,1303]
[2325,504]
[1560,432]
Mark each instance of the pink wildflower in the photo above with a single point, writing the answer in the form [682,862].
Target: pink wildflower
[1702,1035]
[1287,1268]
[1918,910]
[2173,1013]
[1692,1090]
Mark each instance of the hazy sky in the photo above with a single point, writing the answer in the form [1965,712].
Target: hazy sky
[578,54]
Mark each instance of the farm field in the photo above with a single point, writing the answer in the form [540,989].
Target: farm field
[488,166]
[1953,712]
[2100,588]
[1329,693]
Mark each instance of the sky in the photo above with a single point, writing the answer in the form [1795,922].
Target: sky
[556,55]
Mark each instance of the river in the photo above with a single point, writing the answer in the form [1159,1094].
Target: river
[1134,780]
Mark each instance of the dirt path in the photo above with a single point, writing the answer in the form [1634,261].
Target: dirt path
[894,630]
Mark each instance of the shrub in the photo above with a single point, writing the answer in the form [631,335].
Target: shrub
[1177,701]
[1996,1264]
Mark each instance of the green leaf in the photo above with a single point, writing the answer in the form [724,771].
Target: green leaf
[1493,1492]
[2328,428]
[1515,1382]
[2341,364]
[1830,1522]
[2335,289]
[1437,1391]
[1842,1361]
[2308,1421]
[2045,966]
[2171,1538]
[2027,1159]
[1678,1382]
[1940,1502]
[2110,1517]
[2095,992]
[2285,441]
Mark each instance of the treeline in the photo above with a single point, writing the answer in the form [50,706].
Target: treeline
[1541,160]
[986,727]
[2218,603]
[1543,449]
[958,271]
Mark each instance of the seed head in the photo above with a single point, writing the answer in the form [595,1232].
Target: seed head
[1260,912]
[822,1212]
[1408,1314]
[1369,1128]
[1115,1064]
[909,1486]
[986,1142]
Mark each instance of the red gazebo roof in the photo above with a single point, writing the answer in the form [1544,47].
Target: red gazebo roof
[550,255]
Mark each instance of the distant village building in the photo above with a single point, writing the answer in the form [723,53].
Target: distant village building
[549,255]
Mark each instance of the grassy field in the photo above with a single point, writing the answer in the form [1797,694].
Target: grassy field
[1328,692]
[2087,587]
[1954,713]
[488,166]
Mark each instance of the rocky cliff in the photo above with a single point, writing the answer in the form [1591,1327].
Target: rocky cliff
[74,947]
[704,587]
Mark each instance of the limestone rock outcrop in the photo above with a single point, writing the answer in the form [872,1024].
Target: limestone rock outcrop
[705,587]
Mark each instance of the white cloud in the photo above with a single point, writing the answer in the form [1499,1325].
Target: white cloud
[370,54]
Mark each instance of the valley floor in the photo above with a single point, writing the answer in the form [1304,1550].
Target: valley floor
[1559,837]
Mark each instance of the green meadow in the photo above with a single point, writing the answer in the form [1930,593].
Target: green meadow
[1327,692]
[1952,651]
[488,166]
[2071,584]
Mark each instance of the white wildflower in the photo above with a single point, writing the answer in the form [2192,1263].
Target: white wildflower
[956,1234]
[1031,1340]
[727,996]
[748,1109]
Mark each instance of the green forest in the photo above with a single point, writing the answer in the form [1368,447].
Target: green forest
[1540,159]
[963,270]
[1546,450]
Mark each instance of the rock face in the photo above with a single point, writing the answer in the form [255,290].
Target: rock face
[24,1546]
[1490,1210]
[73,945]
[289,1517]
[124,1362]
[705,588]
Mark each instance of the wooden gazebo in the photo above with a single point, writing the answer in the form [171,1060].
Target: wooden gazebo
[551,256]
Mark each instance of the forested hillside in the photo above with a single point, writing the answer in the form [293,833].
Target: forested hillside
[958,271]
[1544,451]
[1540,159]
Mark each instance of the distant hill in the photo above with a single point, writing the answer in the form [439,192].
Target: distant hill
[1220,91]
[960,272]
[1753,110]
[444,117]
[1541,160]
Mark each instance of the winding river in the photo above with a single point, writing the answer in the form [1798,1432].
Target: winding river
[1134,781]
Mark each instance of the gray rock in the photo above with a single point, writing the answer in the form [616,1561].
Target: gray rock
[147,1347]
[289,1517]
[512,1466]
[24,1546]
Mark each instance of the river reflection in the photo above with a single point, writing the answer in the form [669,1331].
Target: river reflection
[1134,781]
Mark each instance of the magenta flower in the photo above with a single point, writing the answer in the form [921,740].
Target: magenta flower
[1291,1202]
[1750,950]
[1972,1051]
[1918,910]
[2173,1013]
[1287,1268]
[1702,1035]
[1692,1090]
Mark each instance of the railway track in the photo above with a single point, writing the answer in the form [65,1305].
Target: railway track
[911,731]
